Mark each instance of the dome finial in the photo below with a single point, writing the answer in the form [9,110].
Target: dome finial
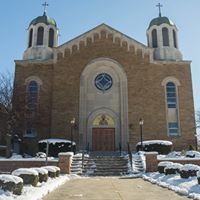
[159,7]
[45,4]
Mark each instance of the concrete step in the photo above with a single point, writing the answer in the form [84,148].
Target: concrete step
[106,165]
[109,173]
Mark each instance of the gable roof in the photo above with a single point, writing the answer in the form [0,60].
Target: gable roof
[108,30]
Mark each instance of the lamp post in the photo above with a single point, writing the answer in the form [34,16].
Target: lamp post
[72,122]
[141,122]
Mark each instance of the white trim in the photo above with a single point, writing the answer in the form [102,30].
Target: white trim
[170,79]
[33,78]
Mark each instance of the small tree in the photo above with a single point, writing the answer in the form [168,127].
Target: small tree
[8,117]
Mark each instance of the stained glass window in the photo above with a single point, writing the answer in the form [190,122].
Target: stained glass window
[103,81]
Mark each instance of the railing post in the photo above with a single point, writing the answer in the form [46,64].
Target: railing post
[151,161]
[65,161]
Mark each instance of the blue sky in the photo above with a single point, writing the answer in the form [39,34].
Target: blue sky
[74,17]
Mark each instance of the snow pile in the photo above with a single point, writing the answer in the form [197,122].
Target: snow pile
[10,178]
[50,168]
[198,174]
[164,164]
[66,154]
[40,170]
[180,155]
[190,167]
[174,154]
[55,140]
[192,154]
[16,156]
[174,166]
[188,187]
[149,142]
[41,155]
[20,171]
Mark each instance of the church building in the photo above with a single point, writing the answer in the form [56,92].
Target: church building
[95,88]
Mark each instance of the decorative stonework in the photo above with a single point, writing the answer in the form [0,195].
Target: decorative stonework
[112,103]
[102,31]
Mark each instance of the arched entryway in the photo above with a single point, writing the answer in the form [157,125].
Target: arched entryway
[103,91]
[103,133]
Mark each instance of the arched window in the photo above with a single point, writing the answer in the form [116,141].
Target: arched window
[165,34]
[30,38]
[51,37]
[171,95]
[154,38]
[40,35]
[32,95]
[174,37]
[172,106]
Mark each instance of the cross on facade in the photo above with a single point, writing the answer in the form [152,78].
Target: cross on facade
[159,7]
[45,4]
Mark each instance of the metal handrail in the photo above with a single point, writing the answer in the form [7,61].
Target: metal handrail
[88,148]
[130,154]
[120,148]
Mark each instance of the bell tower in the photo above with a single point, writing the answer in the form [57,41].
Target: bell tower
[42,37]
[162,35]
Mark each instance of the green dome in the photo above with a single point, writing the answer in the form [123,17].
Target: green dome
[160,20]
[43,19]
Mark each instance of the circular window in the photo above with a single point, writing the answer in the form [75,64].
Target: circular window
[103,81]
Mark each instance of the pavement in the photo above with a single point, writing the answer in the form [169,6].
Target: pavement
[111,188]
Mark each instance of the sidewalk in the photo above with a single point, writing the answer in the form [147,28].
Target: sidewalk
[111,188]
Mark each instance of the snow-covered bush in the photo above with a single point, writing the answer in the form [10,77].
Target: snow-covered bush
[161,146]
[56,146]
[52,171]
[173,168]
[188,170]
[57,171]
[29,176]
[43,174]
[11,183]
[192,154]
[162,165]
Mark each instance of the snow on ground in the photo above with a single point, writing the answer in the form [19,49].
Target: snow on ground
[37,193]
[185,155]
[188,186]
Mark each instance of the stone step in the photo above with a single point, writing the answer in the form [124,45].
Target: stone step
[107,163]
[108,174]
[107,169]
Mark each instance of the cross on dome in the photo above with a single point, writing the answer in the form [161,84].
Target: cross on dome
[45,4]
[159,7]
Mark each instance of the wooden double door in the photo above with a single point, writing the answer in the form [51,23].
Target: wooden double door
[103,139]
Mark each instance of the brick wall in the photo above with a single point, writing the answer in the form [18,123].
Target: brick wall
[64,162]
[152,161]
[10,165]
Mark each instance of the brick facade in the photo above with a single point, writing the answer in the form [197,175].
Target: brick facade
[60,89]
